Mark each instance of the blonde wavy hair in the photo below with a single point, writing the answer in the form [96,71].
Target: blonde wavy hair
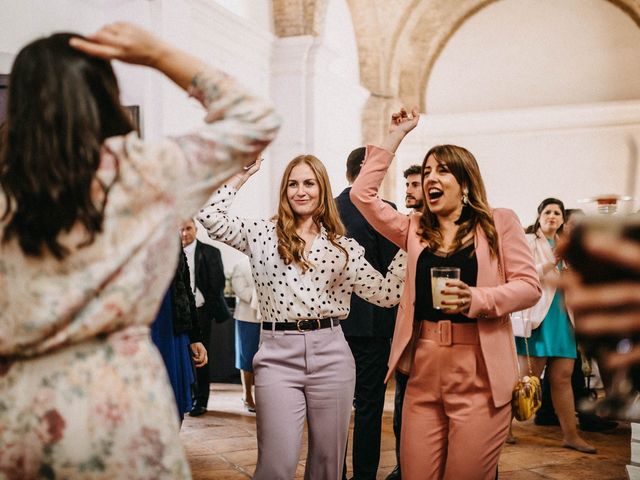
[464,167]
[290,245]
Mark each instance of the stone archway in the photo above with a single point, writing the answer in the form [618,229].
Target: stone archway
[426,34]
[399,44]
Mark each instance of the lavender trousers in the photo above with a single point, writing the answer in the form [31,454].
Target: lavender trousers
[298,376]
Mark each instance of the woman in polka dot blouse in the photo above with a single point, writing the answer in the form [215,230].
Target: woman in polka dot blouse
[305,271]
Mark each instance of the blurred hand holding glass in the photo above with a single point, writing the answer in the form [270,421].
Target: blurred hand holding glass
[603,291]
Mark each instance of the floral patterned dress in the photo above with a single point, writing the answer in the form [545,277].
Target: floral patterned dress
[83,392]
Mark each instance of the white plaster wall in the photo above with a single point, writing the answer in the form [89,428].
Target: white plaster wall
[338,95]
[25,20]
[546,95]
[526,155]
[527,53]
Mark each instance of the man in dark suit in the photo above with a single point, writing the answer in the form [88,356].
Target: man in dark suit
[207,283]
[368,330]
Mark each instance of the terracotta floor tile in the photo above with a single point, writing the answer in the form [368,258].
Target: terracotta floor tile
[206,463]
[194,449]
[602,470]
[225,445]
[243,458]
[521,475]
[229,474]
[222,445]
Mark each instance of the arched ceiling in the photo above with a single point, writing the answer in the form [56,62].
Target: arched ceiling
[398,42]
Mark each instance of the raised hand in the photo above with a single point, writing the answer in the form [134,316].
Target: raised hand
[254,167]
[403,121]
[240,178]
[122,41]
[132,44]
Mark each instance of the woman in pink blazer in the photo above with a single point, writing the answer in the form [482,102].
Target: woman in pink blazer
[461,361]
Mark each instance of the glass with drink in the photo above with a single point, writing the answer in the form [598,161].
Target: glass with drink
[439,278]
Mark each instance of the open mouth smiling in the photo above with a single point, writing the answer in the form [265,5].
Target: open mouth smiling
[434,193]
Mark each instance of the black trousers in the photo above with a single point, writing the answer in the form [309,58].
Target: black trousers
[201,395]
[401,387]
[371,355]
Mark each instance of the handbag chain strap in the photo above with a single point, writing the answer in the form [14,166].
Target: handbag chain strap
[526,346]
[526,343]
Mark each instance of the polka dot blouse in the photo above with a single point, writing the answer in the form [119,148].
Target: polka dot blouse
[285,293]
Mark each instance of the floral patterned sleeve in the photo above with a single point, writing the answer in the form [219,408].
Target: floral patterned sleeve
[372,286]
[220,225]
[187,168]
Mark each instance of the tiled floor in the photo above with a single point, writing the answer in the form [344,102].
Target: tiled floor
[221,445]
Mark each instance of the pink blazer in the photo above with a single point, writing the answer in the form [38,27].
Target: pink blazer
[504,285]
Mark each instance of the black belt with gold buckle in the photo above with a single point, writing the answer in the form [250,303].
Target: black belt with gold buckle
[303,325]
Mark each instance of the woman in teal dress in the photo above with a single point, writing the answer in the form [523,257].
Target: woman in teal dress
[553,343]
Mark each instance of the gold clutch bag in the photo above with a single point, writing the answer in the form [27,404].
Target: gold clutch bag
[526,397]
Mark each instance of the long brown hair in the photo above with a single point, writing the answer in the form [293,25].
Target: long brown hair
[290,245]
[464,167]
[62,105]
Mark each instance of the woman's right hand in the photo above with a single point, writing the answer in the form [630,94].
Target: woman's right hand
[122,41]
[401,123]
[240,178]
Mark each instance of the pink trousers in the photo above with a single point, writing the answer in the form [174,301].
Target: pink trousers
[450,427]
[300,376]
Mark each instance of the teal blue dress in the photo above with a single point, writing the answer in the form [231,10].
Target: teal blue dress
[554,337]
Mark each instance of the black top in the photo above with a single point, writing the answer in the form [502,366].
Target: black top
[464,259]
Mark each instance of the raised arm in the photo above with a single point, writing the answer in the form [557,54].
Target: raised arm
[364,191]
[215,215]
[131,44]
[237,126]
